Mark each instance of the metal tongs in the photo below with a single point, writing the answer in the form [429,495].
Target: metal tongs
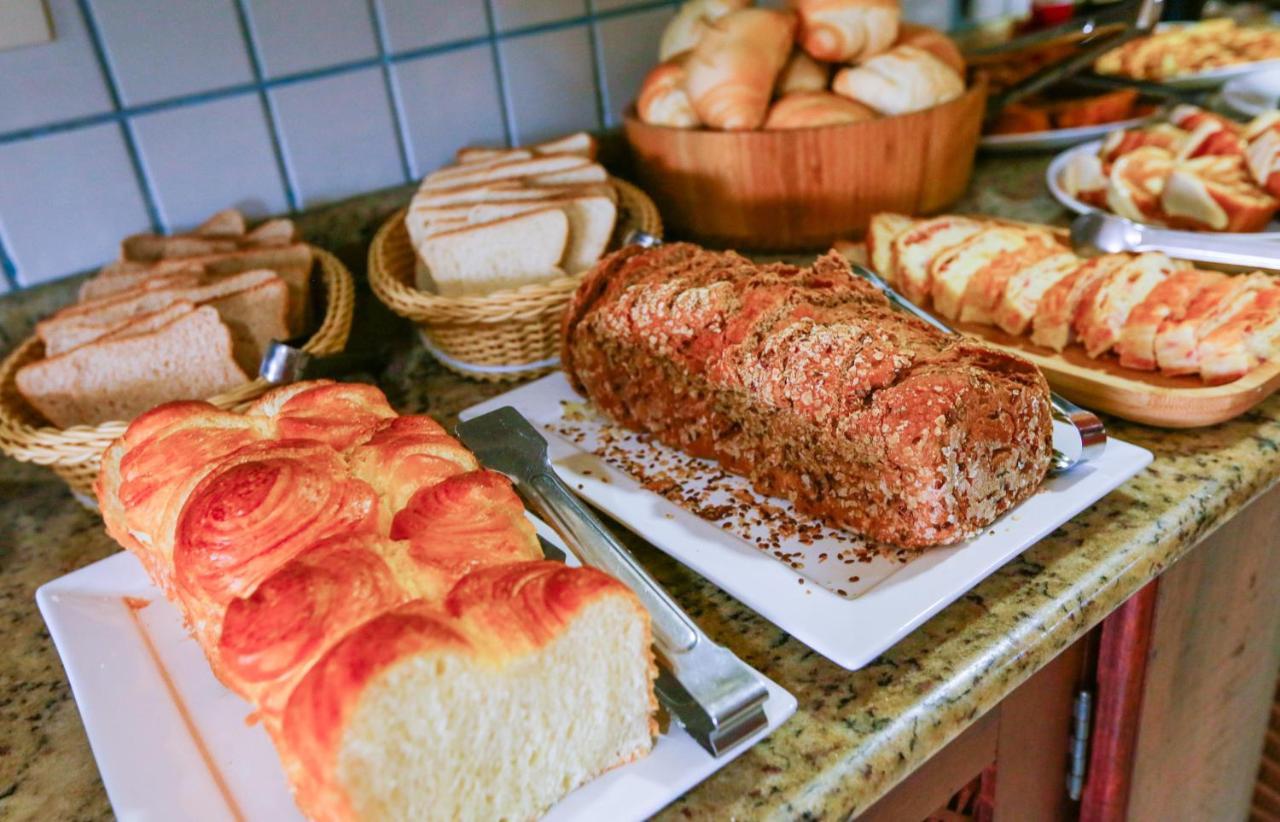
[1101,31]
[1088,426]
[1096,233]
[715,696]
[286,362]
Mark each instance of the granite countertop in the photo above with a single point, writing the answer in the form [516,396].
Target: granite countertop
[855,734]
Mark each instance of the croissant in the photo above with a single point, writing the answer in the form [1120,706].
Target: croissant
[932,41]
[840,31]
[687,27]
[806,109]
[383,603]
[732,71]
[900,81]
[802,73]
[662,100]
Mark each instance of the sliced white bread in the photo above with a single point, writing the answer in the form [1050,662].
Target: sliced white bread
[585,173]
[1025,289]
[985,290]
[84,322]
[915,249]
[884,229]
[950,272]
[1105,309]
[591,221]
[506,253]
[579,143]
[1051,325]
[505,191]
[504,171]
[188,358]
[508,156]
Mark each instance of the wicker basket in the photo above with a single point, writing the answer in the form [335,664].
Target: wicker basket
[74,453]
[506,335]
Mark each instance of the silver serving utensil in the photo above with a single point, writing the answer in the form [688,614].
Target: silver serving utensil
[715,696]
[285,363]
[1096,233]
[1089,427]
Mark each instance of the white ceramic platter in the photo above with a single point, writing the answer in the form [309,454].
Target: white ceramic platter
[1254,93]
[1216,77]
[1053,179]
[172,743]
[1059,137]
[795,580]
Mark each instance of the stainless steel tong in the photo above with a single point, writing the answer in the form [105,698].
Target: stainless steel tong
[1089,427]
[715,696]
[1098,233]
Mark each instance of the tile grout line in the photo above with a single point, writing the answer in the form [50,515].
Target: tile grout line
[7,269]
[603,103]
[268,109]
[500,74]
[393,89]
[126,127]
[261,85]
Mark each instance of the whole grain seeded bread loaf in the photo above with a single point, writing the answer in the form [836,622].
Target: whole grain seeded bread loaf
[807,382]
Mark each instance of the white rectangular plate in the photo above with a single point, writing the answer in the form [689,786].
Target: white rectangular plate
[835,593]
[172,743]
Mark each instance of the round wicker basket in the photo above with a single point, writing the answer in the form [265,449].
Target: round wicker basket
[506,335]
[74,453]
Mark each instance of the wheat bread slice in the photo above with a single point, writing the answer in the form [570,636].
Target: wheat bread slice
[280,231]
[147,248]
[255,316]
[228,222]
[118,379]
[506,253]
[146,323]
[85,322]
[504,171]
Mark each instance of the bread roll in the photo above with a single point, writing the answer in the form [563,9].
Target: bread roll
[732,71]
[663,100]
[900,81]
[840,31]
[383,604]
[687,27]
[802,73]
[807,109]
[932,41]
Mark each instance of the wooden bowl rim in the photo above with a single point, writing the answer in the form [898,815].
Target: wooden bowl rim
[632,120]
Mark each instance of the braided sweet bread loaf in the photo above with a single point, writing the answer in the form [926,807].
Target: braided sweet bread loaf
[805,381]
[383,603]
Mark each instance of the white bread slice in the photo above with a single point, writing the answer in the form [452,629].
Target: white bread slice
[884,229]
[915,249]
[579,143]
[503,171]
[84,322]
[1103,313]
[507,156]
[503,254]
[189,358]
[591,221]
[505,191]
[950,272]
[1025,289]
[985,289]
[585,173]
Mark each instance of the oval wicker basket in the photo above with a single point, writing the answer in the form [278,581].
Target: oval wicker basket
[506,335]
[74,453]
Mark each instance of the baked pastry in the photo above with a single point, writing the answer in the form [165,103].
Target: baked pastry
[383,603]
[690,23]
[932,41]
[843,31]
[662,100]
[808,109]
[809,384]
[802,73]
[899,81]
[731,73]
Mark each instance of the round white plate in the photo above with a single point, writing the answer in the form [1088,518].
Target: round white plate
[1216,77]
[1054,174]
[1254,93]
[1059,137]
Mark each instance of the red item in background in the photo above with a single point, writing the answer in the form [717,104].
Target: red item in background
[1046,13]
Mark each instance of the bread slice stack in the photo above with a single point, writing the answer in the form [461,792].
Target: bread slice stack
[1150,312]
[184,316]
[505,218]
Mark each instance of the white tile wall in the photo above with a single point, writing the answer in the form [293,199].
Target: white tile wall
[438,122]
[550,81]
[628,46]
[167,48]
[215,152]
[414,24]
[52,82]
[77,198]
[338,136]
[514,14]
[297,36]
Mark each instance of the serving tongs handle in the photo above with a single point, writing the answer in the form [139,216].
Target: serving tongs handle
[715,696]
[1089,427]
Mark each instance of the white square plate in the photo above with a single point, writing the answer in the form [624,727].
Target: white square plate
[826,588]
[172,743]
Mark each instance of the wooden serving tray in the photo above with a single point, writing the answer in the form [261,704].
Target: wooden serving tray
[1148,397]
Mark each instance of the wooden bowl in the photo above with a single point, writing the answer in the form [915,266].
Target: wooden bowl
[801,189]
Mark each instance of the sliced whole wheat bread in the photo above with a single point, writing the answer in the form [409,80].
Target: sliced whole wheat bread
[255,317]
[506,253]
[189,358]
[214,236]
[146,323]
[226,223]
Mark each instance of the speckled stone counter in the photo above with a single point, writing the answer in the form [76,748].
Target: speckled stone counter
[855,734]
